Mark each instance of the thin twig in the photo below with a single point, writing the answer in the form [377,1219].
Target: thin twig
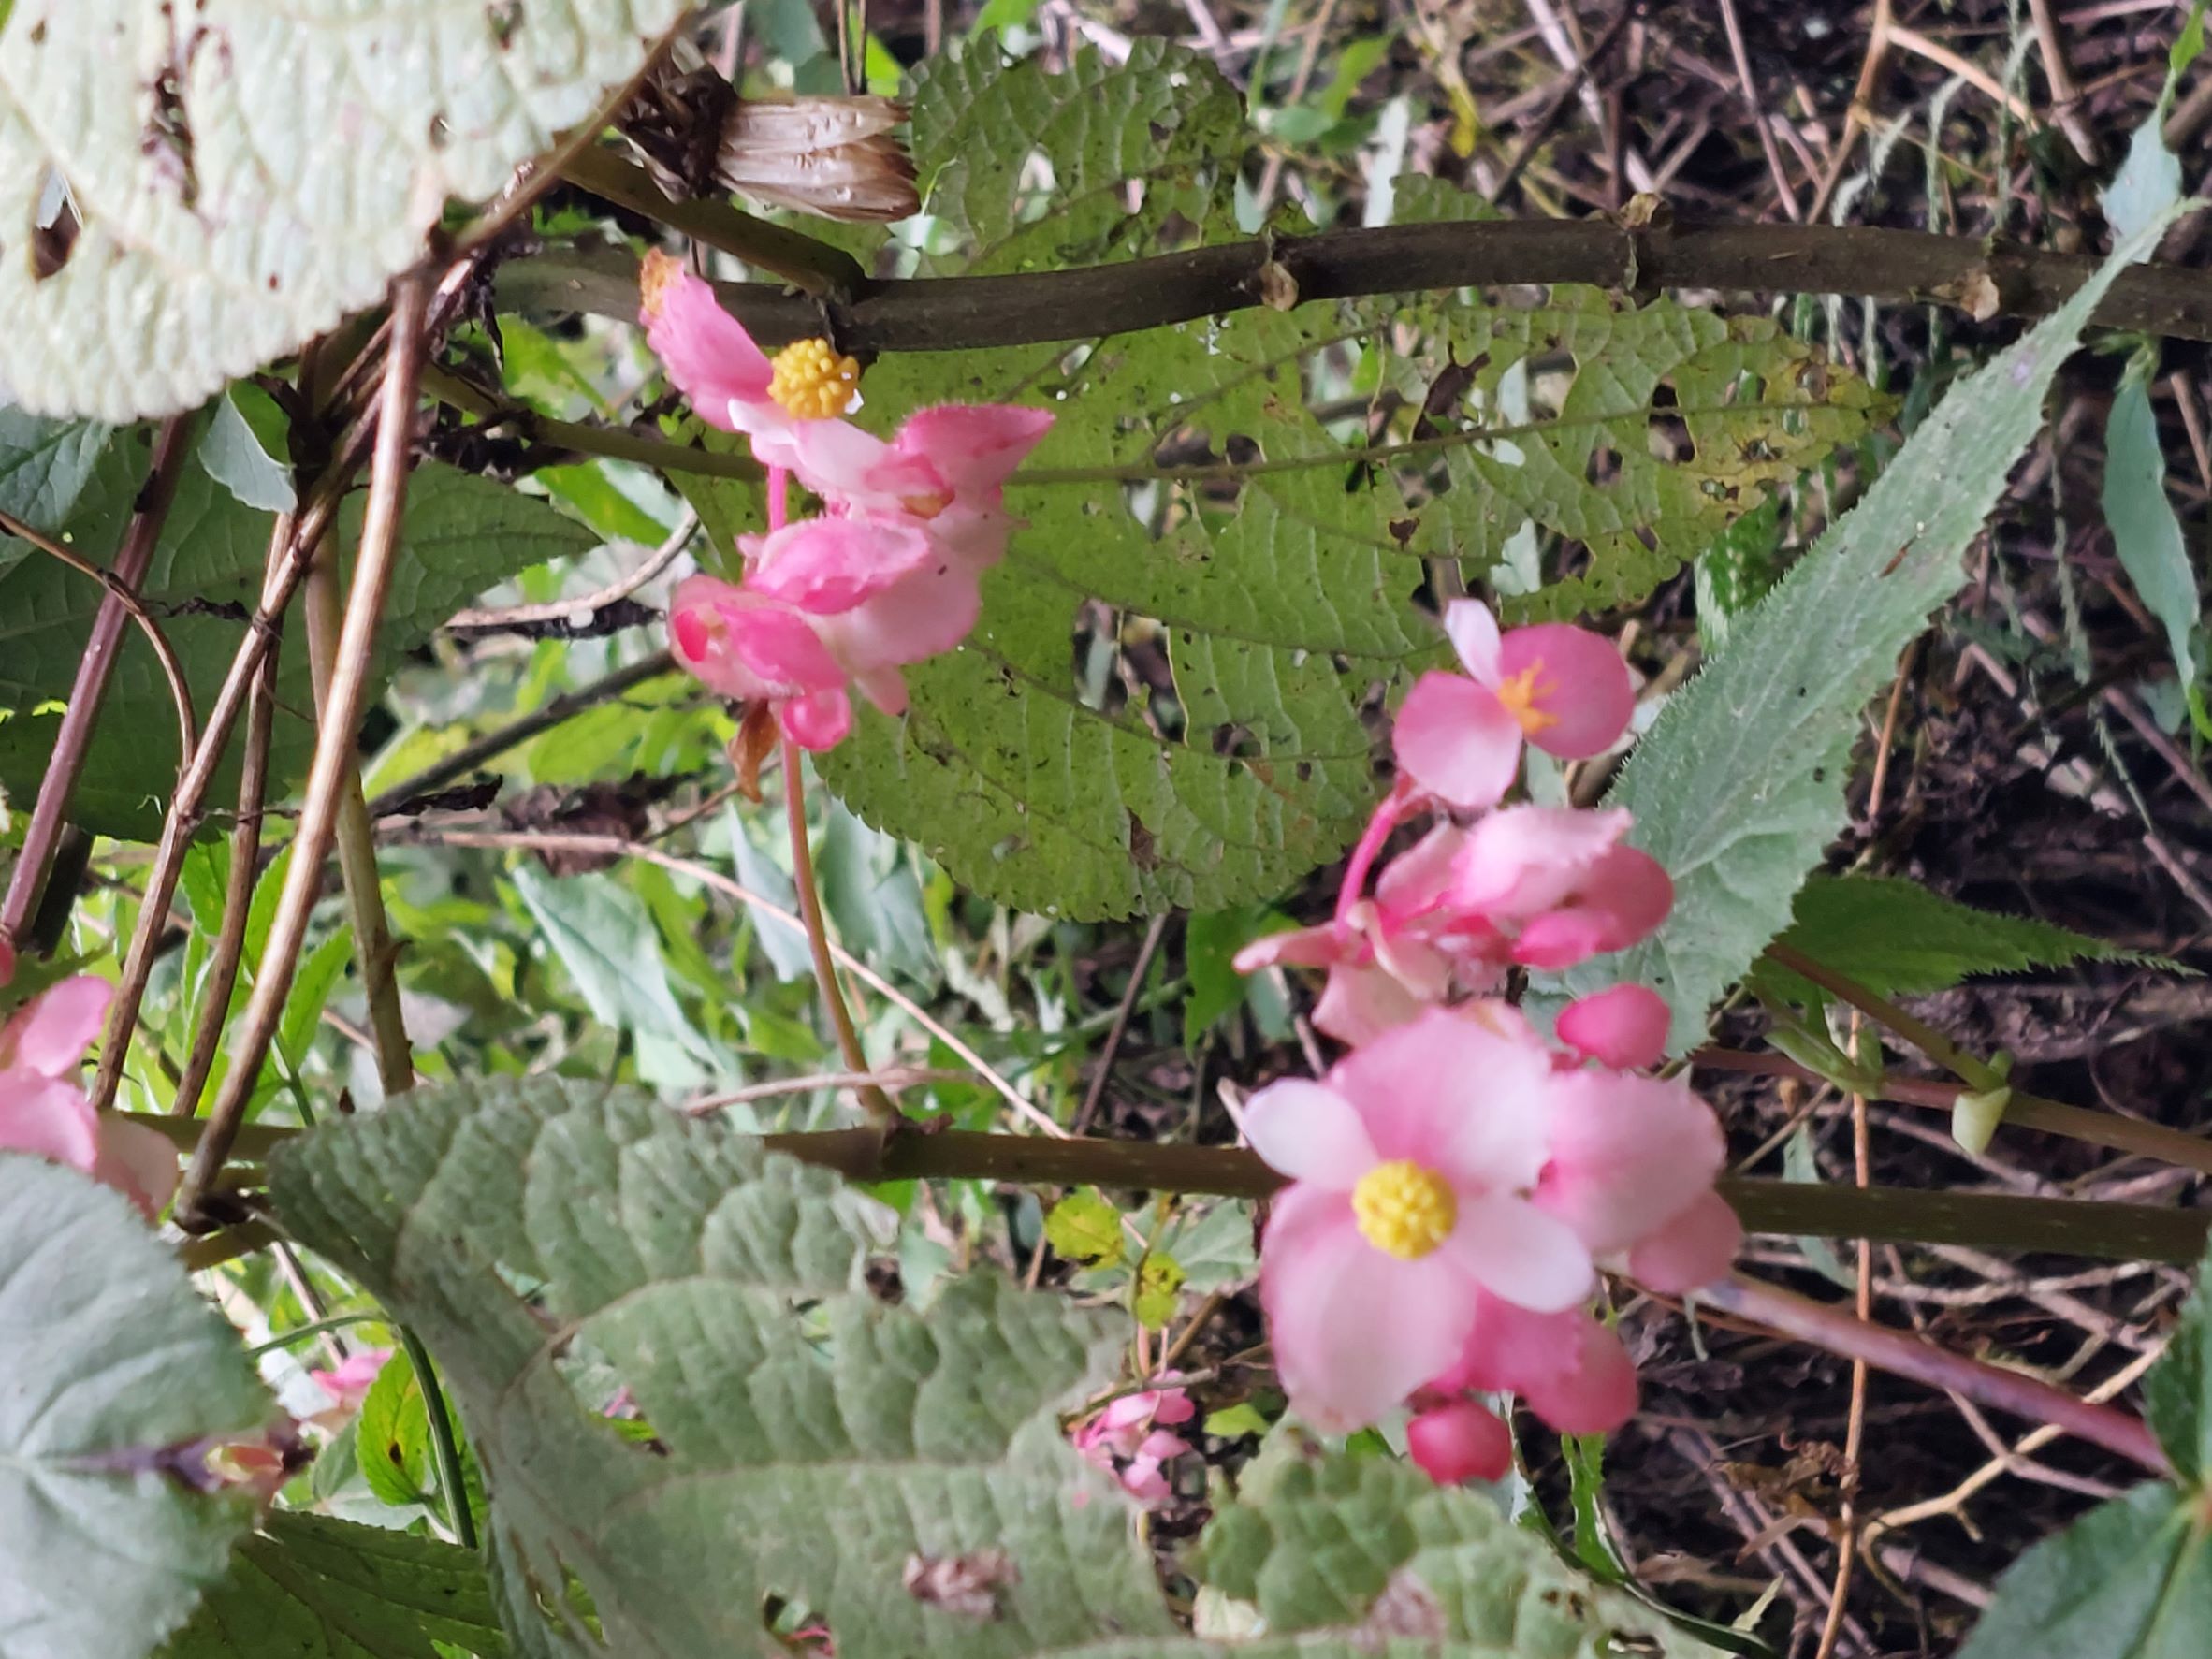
[374,953]
[334,746]
[172,671]
[1757,111]
[1121,1024]
[893,1078]
[1905,1355]
[238,894]
[72,738]
[562,610]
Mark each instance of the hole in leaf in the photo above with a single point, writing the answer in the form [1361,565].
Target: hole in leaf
[55,225]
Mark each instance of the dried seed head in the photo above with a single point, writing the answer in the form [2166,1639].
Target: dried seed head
[836,157]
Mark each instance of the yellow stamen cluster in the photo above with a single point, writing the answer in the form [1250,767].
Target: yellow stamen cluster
[1518,693]
[812,381]
[1403,1210]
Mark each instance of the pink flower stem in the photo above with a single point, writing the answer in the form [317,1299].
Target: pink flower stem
[1388,811]
[877,1104]
[779,496]
[1903,1353]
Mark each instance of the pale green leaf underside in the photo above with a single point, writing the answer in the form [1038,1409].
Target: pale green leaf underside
[247,172]
[1739,784]
[460,535]
[111,1366]
[812,1442]
[1284,595]
[310,1587]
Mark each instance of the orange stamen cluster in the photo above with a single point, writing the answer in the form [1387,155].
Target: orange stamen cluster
[1520,693]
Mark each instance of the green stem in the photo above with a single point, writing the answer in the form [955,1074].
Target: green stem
[813,267]
[300,1333]
[442,1444]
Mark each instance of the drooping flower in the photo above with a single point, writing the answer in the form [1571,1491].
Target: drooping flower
[1413,1168]
[349,1381]
[44,1112]
[1561,687]
[1131,1440]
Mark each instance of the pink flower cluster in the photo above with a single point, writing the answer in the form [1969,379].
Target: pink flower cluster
[1456,1180]
[1131,1439]
[887,576]
[44,1112]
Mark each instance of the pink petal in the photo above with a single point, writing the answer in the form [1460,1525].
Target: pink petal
[1562,940]
[1174,1406]
[1518,1253]
[1359,1003]
[1458,1442]
[1624,1028]
[1457,741]
[710,357]
[1453,1095]
[1595,1391]
[1298,947]
[886,688]
[1144,1481]
[138,1162]
[1355,1330]
[1309,1133]
[699,617]
[349,1382]
[1473,633]
[1634,893]
[818,720]
[974,446]
[1627,1153]
[1416,881]
[1694,1248]
[1160,1446]
[838,461]
[50,1033]
[47,1118]
[1581,684]
[926,612]
[783,649]
[1520,861]
[825,565]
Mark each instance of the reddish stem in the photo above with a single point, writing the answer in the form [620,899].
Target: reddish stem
[1388,812]
[1903,1353]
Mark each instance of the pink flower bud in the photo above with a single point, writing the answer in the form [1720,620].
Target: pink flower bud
[1460,1441]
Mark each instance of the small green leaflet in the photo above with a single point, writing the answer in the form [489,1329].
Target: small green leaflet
[1084,1228]
[1897,938]
[392,1436]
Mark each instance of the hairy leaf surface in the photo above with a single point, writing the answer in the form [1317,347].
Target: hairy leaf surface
[115,1379]
[1739,784]
[905,1479]
[242,174]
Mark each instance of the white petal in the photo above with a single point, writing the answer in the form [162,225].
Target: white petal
[1514,1250]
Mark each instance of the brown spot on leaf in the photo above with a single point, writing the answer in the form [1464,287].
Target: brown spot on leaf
[969,1585]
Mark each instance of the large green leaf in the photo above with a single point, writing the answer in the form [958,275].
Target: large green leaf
[460,535]
[114,1379]
[903,1478]
[2178,1393]
[1276,584]
[2130,1580]
[247,172]
[1739,784]
[309,1587]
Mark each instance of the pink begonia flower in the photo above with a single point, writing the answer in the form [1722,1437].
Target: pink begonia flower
[1564,689]
[1625,1027]
[888,575]
[348,1382]
[1412,1169]
[43,1110]
[1130,1440]
[1692,1248]
[1458,1441]
[1628,1155]
[1552,886]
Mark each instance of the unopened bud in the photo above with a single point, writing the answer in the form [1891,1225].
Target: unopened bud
[837,158]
